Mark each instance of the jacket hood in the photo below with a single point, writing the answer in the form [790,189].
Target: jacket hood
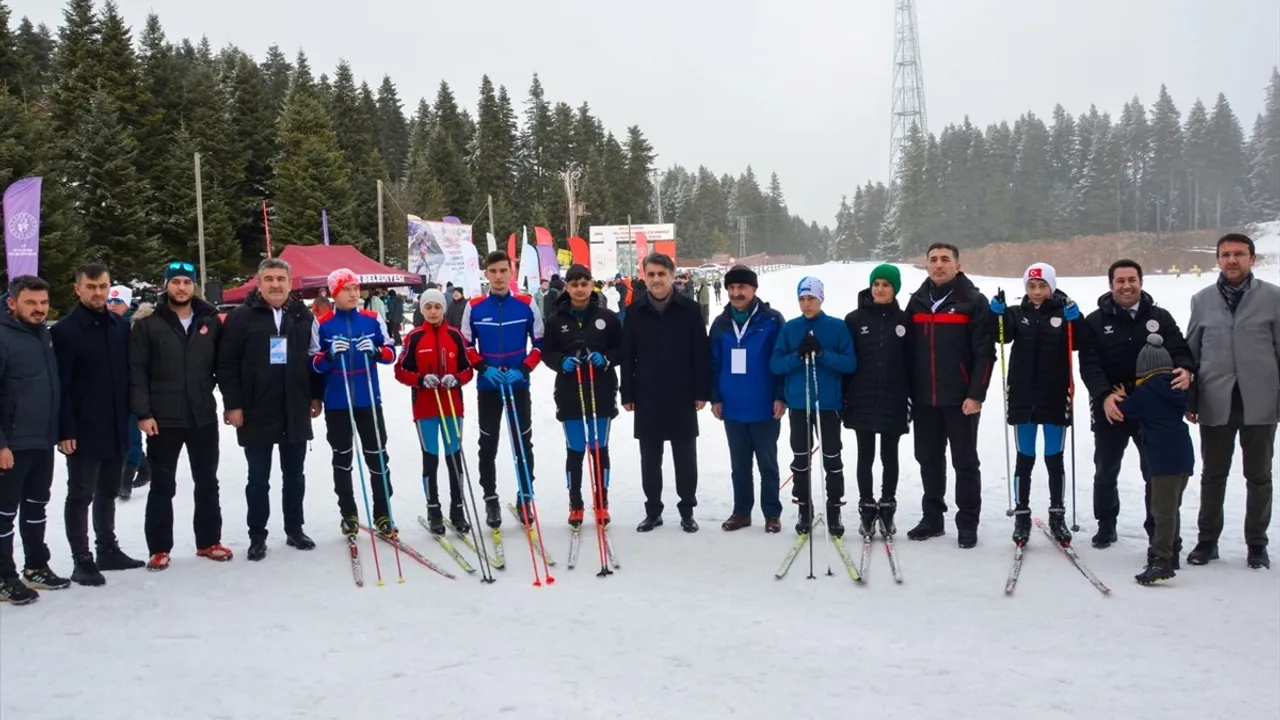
[144,311]
[1108,305]
[866,302]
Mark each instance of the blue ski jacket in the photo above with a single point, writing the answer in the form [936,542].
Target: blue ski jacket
[499,330]
[746,397]
[352,325]
[1158,410]
[836,360]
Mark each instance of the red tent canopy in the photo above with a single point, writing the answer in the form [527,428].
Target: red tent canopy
[310,266]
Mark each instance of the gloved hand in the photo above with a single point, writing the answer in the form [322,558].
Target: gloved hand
[495,375]
[1070,311]
[598,360]
[512,376]
[570,363]
[430,381]
[809,347]
[997,305]
[338,345]
[449,381]
[366,346]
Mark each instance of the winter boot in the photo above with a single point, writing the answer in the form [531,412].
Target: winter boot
[385,528]
[16,592]
[113,558]
[1021,526]
[688,524]
[144,473]
[43,578]
[127,474]
[1202,553]
[350,526]
[458,518]
[834,524]
[85,571]
[1258,558]
[299,540]
[967,539]
[868,512]
[1157,570]
[492,512]
[435,520]
[649,523]
[575,518]
[1058,526]
[886,510]
[257,549]
[804,523]
[925,530]
[1105,536]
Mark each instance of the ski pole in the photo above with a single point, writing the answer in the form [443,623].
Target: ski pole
[378,435]
[599,482]
[476,535]
[1071,416]
[593,464]
[358,453]
[1004,393]
[486,571]
[526,483]
[822,448]
[808,430]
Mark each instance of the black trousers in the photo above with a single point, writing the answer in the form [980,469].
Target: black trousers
[24,497]
[257,491]
[827,422]
[573,470]
[372,432]
[936,428]
[888,465]
[684,455]
[1217,447]
[489,412]
[96,483]
[430,480]
[202,454]
[1109,443]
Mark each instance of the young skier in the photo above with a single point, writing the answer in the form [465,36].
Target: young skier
[1159,410]
[434,363]
[877,398]
[815,402]
[581,333]
[351,341]
[1039,384]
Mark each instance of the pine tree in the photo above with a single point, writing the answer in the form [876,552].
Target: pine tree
[253,148]
[847,243]
[277,72]
[311,175]
[174,214]
[118,71]
[392,130]
[1197,156]
[1228,188]
[76,65]
[1033,178]
[534,137]
[639,184]
[11,70]
[35,47]
[1136,141]
[494,158]
[1166,162]
[1264,177]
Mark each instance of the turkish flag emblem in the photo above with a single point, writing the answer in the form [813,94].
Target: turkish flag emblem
[1035,273]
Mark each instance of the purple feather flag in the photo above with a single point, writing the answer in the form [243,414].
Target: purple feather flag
[22,227]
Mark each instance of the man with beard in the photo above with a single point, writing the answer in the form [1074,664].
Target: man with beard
[172,362]
[1110,339]
[270,395]
[29,390]
[92,345]
[666,380]
[951,369]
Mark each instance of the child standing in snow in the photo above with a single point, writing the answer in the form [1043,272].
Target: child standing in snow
[1159,410]
[1039,385]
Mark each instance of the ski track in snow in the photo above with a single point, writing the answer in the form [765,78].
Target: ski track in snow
[691,626]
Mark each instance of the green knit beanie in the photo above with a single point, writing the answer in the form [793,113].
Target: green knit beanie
[888,273]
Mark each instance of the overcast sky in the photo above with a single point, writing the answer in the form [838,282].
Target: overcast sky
[800,87]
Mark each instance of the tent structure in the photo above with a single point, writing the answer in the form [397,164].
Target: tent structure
[310,266]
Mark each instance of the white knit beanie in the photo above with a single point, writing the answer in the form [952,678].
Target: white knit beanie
[432,295]
[1041,271]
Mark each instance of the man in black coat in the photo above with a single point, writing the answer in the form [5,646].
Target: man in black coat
[172,373]
[666,380]
[29,390]
[457,308]
[92,345]
[951,369]
[270,394]
[582,344]
[1111,338]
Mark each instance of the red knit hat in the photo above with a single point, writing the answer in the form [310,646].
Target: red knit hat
[340,278]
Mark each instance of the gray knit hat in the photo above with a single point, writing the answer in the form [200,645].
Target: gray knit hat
[1153,358]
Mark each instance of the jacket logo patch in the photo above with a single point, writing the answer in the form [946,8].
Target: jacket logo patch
[866,330]
[1055,321]
[1106,330]
[1153,326]
[900,331]
[600,323]
[564,328]
[204,329]
[1027,321]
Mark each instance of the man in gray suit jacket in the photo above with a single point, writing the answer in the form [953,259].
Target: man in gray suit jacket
[1234,333]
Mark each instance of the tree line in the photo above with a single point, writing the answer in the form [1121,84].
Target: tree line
[113,122]
[1151,171]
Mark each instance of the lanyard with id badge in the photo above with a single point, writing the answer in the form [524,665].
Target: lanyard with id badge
[738,355]
[279,348]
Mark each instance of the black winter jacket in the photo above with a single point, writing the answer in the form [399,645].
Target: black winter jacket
[275,399]
[172,372]
[93,364]
[1110,341]
[954,349]
[877,398]
[1039,361]
[29,388]
[452,315]
[666,366]
[564,336]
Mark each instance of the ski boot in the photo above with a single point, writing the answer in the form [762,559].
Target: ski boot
[350,526]
[886,510]
[435,520]
[1021,526]
[16,592]
[458,518]
[804,524]
[85,571]
[524,511]
[575,517]
[492,512]
[603,517]
[1202,553]
[834,525]
[43,578]
[1157,570]
[868,511]
[1058,526]
[1258,558]
[385,528]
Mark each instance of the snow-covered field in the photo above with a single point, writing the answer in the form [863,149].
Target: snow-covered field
[692,626]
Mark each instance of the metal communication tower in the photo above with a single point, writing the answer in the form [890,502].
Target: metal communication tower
[908,86]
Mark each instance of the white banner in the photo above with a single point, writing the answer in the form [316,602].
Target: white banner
[613,247]
[437,250]
[471,279]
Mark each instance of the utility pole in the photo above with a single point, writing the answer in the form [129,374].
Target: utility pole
[493,232]
[908,88]
[572,176]
[200,222]
[742,237]
[382,244]
[657,192]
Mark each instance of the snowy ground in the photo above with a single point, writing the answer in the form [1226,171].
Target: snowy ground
[692,626]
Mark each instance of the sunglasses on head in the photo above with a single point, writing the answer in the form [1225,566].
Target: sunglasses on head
[176,265]
[115,301]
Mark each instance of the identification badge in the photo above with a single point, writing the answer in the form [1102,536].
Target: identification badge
[279,350]
[738,361]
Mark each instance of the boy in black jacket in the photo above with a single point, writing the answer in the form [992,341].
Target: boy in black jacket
[877,398]
[582,342]
[1039,386]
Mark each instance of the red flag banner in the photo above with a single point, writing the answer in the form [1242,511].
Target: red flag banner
[543,236]
[581,251]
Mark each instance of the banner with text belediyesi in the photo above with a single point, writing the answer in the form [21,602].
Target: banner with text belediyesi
[613,247]
[437,251]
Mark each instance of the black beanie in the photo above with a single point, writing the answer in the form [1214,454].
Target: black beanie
[741,275]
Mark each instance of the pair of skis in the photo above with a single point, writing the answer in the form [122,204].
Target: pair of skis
[801,540]
[357,570]
[867,542]
[1067,550]
[857,572]
[575,540]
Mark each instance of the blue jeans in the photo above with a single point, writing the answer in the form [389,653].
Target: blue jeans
[293,486]
[760,440]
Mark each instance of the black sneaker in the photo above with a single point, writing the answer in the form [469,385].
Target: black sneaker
[350,526]
[1021,526]
[45,579]
[925,530]
[492,512]
[85,571]
[298,539]
[1258,558]
[1202,553]
[435,520]
[257,549]
[649,523]
[111,559]
[1157,570]
[16,592]
[688,524]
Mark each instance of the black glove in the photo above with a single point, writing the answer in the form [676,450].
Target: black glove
[809,346]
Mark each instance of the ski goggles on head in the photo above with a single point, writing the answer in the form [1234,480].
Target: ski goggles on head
[179,268]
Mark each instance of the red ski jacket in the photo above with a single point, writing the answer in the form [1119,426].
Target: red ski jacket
[434,350]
